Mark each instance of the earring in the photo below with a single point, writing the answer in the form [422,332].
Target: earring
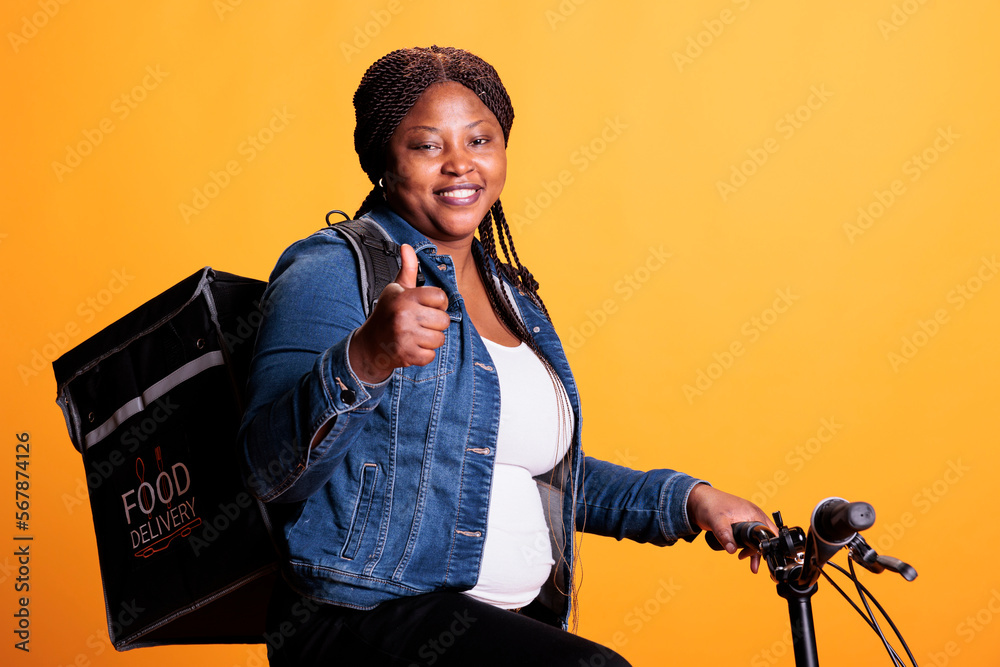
[382,186]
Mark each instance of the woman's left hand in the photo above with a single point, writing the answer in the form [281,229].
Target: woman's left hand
[715,510]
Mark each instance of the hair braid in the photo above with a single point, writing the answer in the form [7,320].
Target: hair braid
[487,262]
[524,276]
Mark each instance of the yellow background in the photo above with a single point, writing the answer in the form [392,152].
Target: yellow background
[617,153]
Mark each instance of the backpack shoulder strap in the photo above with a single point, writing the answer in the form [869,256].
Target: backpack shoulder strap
[377,256]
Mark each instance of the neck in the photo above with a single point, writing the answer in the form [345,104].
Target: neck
[463,260]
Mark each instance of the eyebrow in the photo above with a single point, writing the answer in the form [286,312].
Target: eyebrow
[430,128]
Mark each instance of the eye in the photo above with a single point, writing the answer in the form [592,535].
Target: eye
[479,141]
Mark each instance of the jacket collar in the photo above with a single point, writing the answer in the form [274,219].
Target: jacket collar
[399,230]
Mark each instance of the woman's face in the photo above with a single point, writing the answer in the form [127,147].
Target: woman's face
[446,163]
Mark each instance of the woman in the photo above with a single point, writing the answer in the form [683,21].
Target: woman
[422,468]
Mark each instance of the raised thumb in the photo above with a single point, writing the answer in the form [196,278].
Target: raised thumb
[407,276]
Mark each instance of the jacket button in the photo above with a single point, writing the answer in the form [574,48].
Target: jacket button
[347,394]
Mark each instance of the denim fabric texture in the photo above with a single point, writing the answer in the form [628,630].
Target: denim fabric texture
[393,501]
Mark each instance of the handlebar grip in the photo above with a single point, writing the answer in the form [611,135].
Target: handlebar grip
[836,520]
[746,534]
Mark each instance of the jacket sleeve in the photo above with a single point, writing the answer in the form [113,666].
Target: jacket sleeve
[619,502]
[300,378]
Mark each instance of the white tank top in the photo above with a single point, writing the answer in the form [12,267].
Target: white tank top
[536,426]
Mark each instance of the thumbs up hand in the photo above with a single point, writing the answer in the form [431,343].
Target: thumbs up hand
[405,328]
[407,276]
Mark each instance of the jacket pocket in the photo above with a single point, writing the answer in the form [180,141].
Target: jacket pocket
[444,361]
[362,508]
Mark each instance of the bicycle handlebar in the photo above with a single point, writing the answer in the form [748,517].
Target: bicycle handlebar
[794,558]
[746,535]
[795,561]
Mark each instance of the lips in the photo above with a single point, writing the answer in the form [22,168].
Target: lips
[462,194]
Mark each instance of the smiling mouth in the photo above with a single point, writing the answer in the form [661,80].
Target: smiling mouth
[460,195]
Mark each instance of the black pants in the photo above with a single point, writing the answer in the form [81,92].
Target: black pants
[442,629]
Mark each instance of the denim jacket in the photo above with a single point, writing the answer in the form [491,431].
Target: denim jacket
[393,501]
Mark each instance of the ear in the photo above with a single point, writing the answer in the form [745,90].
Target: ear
[389,180]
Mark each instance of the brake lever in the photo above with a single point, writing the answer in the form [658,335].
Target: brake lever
[864,555]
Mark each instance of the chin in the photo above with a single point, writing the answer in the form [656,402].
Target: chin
[461,222]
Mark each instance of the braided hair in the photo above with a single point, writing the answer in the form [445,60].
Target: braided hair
[388,90]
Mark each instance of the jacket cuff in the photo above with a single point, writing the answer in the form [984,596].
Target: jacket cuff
[343,390]
[674,520]
[375,389]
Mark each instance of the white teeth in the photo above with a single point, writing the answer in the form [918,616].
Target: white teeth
[458,194]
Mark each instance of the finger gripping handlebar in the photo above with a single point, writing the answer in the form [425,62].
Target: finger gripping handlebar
[746,534]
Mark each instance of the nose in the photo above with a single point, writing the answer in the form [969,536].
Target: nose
[457,161]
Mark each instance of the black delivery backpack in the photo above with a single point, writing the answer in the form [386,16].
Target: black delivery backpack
[153,403]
